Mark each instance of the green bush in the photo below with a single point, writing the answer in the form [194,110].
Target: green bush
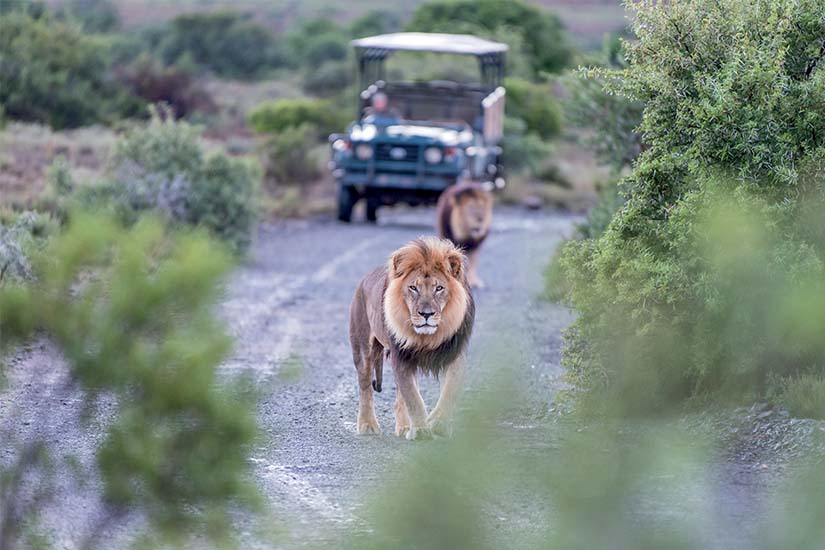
[226,42]
[523,150]
[328,79]
[53,73]
[283,114]
[93,15]
[804,395]
[162,167]
[375,22]
[543,38]
[600,216]
[317,41]
[33,8]
[21,236]
[290,155]
[611,118]
[132,311]
[692,286]
[535,104]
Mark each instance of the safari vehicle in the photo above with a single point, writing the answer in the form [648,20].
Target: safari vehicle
[411,140]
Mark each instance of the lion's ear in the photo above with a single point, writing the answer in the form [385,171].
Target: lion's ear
[455,261]
[394,265]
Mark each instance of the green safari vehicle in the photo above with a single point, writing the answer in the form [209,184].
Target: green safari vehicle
[411,140]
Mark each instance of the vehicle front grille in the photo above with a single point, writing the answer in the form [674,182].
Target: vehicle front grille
[383,151]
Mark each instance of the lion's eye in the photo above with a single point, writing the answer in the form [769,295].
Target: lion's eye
[414,288]
[439,288]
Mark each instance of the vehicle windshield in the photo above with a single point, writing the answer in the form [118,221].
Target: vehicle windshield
[435,103]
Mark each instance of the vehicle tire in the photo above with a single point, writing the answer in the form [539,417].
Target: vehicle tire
[372,210]
[347,197]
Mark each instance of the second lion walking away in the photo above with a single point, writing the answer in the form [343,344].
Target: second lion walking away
[464,215]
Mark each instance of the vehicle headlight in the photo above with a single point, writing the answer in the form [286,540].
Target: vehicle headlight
[363,151]
[433,155]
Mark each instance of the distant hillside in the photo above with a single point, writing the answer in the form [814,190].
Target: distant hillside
[587,20]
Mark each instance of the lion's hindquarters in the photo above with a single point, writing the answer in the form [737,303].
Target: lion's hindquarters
[364,358]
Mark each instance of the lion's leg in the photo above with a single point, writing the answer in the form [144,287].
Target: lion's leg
[440,418]
[416,409]
[402,418]
[367,421]
[472,274]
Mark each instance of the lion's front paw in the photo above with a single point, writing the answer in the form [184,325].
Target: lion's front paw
[419,434]
[401,430]
[368,426]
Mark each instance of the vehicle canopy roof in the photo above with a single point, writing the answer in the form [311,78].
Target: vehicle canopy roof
[374,50]
[383,45]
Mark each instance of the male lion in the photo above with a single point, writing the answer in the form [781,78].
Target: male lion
[463,215]
[419,310]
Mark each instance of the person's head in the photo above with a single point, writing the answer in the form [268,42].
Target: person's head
[379,102]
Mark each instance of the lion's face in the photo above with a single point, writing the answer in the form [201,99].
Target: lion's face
[475,214]
[426,297]
[472,213]
[426,294]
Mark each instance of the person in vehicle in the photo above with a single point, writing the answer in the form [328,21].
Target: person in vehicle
[379,112]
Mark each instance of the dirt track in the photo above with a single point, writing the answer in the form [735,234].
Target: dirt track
[291,304]
[287,308]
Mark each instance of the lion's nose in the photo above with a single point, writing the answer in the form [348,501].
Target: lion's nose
[426,314]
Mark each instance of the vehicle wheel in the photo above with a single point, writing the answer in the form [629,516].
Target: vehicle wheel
[347,197]
[372,210]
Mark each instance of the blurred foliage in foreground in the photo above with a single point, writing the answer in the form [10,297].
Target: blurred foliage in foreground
[133,312]
[559,483]
[710,277]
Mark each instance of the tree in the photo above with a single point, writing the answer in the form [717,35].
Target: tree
[375,22]
[229,43]
[93,15]
[53,73]
[734,117]
[542,34]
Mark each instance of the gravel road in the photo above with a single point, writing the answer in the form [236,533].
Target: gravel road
[287,308]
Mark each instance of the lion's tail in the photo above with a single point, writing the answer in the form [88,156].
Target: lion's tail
[379,374]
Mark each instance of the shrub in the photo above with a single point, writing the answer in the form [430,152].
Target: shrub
[329,79]
[149,80]
[709,277]
[142,329]
[543,38]
[611,118]
[375,22]
[162,167]
[535,104]
[317,41]
[804,395]
[53,73]
[33,8]
[226,42]
[283,114]
[291,156]
[93,15]
[523,150]
[600,216]
[20,237]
